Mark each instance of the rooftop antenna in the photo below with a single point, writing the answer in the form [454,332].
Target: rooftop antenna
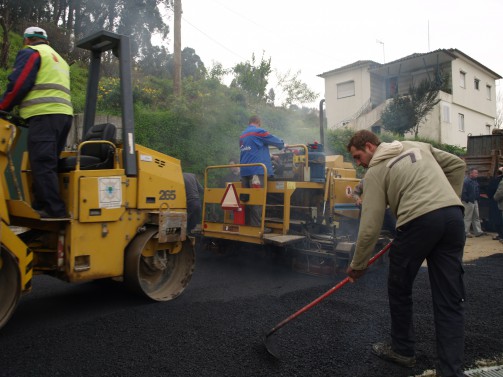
[383,56]
[429,36]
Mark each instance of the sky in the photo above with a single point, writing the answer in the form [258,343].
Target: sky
[317,36]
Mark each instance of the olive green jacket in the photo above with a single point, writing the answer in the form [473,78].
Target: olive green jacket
[413,178]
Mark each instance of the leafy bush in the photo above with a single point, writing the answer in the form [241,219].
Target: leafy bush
[78,86]
[339,139]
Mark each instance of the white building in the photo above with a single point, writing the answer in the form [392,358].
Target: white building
[356,94]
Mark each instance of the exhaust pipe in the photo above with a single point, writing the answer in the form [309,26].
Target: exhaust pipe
[322,123]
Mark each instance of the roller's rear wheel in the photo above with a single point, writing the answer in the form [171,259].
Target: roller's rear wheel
[10,286]
[157,274]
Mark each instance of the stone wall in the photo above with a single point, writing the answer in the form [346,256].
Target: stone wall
[75,135]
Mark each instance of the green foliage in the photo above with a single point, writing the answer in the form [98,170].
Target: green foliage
[398,115]
[78,86]
[454,149]
[155,63]
[192,66]
[139,19]
[337,140]
[295,91]
[217,72]
[202,127]
[405,113]
[16,43]
[253,77]
[109,95]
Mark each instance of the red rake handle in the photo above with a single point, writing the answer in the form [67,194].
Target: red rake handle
[324,295]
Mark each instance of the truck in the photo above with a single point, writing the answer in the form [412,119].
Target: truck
[127,204]
[485,153]
[308,213]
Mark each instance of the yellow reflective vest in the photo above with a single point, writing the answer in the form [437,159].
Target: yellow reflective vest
[51,92]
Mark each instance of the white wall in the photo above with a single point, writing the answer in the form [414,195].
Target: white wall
[341,109]
[469,97]
[479,111]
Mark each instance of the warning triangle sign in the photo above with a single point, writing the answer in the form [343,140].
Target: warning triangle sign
[230,199]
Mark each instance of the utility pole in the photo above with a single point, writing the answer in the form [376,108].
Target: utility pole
[177,75]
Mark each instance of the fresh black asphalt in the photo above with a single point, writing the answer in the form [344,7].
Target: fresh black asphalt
[216,327]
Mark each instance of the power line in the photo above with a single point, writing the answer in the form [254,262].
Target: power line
[273,34]
[212,39]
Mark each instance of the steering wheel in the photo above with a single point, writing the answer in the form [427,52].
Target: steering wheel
[13,118]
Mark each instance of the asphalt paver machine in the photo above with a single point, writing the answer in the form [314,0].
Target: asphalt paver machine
[307,211]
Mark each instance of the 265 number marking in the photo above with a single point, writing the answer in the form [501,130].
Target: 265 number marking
[167,195]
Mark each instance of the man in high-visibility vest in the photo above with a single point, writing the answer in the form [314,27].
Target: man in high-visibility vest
[40,86]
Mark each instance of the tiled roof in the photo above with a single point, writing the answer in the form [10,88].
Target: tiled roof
[450,54]
[359,63]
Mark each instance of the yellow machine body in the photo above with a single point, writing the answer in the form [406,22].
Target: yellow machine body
[308,212]
[286,203]
[126,203]
[107,209]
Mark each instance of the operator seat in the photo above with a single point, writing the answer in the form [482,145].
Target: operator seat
[93,156]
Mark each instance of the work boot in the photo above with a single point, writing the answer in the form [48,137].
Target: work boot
[384,351]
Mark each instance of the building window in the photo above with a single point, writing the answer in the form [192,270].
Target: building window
[346,89]
[488,92]
[476,83]
[446,114]
[462,79]
[376,129]
[461,122]
[488,129]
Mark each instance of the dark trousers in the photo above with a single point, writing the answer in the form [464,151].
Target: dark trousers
[253,215]
[495,217]
[438,237]
[194,214]
[46,139]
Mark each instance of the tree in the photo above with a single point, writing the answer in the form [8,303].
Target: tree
[271,97]
[405,113]
[156,62]
[11,13]
[4,52]
[295,91]
[139,19]
[218,72]
[252,77]
[397,116]
[192,65]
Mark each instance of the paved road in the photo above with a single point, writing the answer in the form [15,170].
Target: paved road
[216,327]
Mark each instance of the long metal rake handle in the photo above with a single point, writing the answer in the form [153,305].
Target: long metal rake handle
[324,295]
